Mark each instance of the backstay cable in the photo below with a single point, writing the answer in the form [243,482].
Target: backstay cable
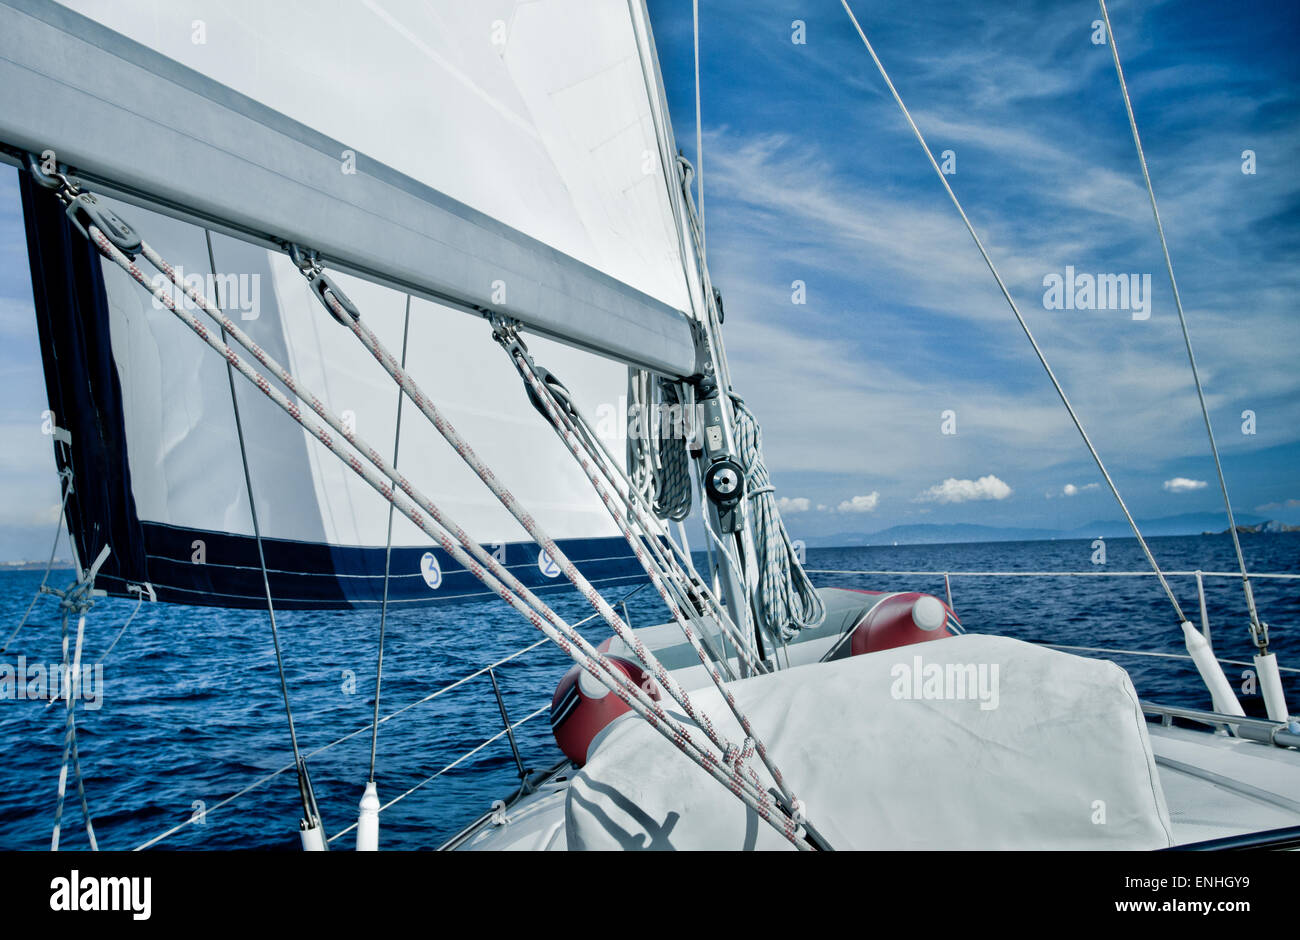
[1042,358]
[1258,632]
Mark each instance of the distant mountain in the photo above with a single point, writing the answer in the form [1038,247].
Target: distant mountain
[60,564]
[1188,523]
[1269,528]
[926,533]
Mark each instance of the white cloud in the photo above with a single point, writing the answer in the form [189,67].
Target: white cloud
[1183,485]
[953,490]
[1071,490]
[790,504]
[1285,504]
[866,503]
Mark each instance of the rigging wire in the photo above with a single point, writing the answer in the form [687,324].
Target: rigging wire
[388,554]
[1258,631]
[304,784]
[699,125]
[65,483]
[1015,309]
[734,775]
[437,693]
[139,602]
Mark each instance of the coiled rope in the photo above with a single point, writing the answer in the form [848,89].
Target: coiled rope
[634,488]
[673,478]
[786,601]
[590,461]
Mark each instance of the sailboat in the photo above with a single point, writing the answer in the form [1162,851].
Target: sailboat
[355,305]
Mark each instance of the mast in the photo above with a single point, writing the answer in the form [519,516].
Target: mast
[725,514]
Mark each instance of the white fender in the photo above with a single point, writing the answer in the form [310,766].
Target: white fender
[368,821]
[1211,672]
[1270,683]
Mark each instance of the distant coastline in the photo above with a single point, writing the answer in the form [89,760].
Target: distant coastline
[1189,524]
[60,564]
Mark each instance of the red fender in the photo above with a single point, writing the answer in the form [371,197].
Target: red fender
[583,706]
[901,620]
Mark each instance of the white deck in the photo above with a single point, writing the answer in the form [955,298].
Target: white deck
[1215,785]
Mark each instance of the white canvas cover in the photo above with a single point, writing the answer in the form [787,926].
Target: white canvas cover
[1052,754]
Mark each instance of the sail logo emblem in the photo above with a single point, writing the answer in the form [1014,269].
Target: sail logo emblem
[431,571]
[546,564]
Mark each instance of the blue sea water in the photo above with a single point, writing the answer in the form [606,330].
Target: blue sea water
[192,711]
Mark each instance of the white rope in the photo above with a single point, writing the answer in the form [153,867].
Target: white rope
[1257,631]
[640,522]
[747,789]
[561,419]
[1042,358]
[670,558]
[786,600]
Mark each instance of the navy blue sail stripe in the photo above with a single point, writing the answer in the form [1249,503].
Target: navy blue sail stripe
[86,398]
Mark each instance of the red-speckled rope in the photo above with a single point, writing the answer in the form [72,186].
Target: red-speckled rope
[559,632]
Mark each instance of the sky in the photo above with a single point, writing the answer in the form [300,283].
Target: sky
[812,175]
[816,190]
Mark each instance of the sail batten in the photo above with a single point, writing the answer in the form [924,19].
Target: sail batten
[584,255]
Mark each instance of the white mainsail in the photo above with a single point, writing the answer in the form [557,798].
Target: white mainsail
[536,114]
[519,155]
